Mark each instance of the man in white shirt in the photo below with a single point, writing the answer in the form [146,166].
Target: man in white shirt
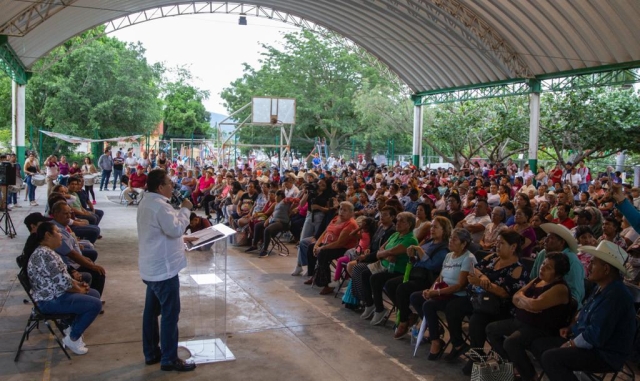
[160,258]
[583,171]
[528,186]
[144,161]
[476,222]
[572,178]
[131,161]
[290,190]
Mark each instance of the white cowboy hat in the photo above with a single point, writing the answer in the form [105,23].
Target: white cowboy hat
[610,253]
[562,232]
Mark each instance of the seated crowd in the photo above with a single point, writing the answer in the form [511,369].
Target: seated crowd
[537,263]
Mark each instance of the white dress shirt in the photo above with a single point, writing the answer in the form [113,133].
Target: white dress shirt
[160,246]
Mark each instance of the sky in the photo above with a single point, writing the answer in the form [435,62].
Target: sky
[213,45]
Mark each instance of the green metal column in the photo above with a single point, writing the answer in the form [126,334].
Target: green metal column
[40,147]
[534,123]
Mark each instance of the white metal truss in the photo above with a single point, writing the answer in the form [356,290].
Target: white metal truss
[207,7]
[479,29]
[32,16]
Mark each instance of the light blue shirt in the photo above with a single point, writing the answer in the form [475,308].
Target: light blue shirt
[574,278]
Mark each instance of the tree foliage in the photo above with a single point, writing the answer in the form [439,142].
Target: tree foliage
[5,110]
[590,123]
[321,75]
[95,86]
[184,113]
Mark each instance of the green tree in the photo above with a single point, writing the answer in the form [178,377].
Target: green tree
[95,86]
[321,75]
[5,110]
[184,113]
[591,122]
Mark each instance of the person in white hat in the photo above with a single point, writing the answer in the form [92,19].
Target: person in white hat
[601,339]
[559,238]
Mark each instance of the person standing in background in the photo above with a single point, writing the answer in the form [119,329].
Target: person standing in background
[105,162]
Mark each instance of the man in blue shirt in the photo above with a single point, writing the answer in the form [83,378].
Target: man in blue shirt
[601,339]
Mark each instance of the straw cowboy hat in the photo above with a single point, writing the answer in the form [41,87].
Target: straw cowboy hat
[263,179]
[610,253]
[562,232]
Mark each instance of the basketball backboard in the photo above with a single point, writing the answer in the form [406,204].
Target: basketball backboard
[266,110]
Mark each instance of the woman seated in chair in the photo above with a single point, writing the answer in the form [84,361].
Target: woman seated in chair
[494,280]
[56,292]
[366,229]
[331,244]
[428,259]
[276,223]
[601,338]
[542,308]
[392,262]
[449,286]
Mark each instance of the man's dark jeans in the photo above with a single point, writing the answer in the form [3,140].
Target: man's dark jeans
[163,298]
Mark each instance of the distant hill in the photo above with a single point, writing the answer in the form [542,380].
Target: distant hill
[217,118]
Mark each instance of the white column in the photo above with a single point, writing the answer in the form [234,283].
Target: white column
[534,129]
[18,120]
[417,135]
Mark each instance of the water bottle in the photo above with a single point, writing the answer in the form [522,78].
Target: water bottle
[392,266]
[414,334]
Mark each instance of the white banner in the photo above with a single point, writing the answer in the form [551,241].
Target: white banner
[78,140]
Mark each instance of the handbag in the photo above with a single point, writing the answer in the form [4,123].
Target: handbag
[439,286]
[490,367]
[376,267]
[486,302]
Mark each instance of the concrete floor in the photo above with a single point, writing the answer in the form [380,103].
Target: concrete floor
[277,328]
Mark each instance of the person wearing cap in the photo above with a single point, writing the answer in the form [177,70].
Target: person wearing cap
[137,184]
[601,339]
[559,238]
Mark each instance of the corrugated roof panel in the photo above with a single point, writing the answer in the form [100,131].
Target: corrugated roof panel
[430,44]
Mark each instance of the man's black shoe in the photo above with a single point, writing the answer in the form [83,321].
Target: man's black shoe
[179,365]
[153,361]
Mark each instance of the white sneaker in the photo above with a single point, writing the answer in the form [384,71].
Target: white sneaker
[368,311]
[334,284]
[297,271]
[33,203]
[76,347]
[378,317]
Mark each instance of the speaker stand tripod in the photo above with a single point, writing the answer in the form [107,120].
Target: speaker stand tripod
[8,229]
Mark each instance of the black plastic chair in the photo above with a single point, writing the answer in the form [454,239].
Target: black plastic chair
[37,316]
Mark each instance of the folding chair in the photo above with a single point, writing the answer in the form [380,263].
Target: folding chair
[277,244]
[37,316]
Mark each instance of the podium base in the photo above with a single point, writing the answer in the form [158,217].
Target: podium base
[207,351]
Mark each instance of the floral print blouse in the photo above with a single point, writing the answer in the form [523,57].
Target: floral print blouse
[503,277]
[48,275]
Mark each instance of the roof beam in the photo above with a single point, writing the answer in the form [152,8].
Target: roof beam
[11,64]
[32,16]
[495,90]
[495,43]
[624,74]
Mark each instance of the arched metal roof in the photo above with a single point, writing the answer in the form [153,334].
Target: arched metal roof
[429,44]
